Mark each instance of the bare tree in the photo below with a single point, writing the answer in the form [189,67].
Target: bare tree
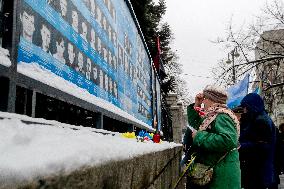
[261,49]
[247,40]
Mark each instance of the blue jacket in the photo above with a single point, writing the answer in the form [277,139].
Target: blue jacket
[258,140]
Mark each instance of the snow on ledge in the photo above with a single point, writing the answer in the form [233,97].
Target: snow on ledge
[39,73]
[4,57]
[30,150]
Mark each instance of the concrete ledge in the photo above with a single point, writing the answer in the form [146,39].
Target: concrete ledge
[158,170]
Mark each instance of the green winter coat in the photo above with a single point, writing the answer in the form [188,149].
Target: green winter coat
[212,144]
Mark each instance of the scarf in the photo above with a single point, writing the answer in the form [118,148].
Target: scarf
[211,114]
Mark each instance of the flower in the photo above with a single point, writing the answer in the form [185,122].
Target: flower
[129,135]
[200,111]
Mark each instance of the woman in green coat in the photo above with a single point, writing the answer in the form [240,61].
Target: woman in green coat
[217,134]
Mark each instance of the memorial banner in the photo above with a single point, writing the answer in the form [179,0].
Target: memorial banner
[94,44]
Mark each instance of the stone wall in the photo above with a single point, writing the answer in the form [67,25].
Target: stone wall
[178,121]
[158,170]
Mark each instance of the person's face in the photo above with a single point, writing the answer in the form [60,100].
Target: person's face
[109,30]
[238,115]
[207,103]
[93,6]
[45,35]
[110,57]
[93,35]
[106,82]
[99,16]
[281,128]
[110,84]
[88,65]
[60,47]
[113,37]
[80,60]
[101,79]
[99,45]
[28,24]
[114,89]
[104,22]
[71,54]
[120,53]
[108,5]
[95,73]
[105,54]
[84,29]
[114,62]
[63,7]
[75,21]
[113,13]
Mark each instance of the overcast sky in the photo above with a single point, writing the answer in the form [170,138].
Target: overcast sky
[196,22]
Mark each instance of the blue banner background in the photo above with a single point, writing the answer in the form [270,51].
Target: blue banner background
[134,71]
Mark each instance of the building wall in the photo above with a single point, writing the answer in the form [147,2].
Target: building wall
[272,72]
[178,120]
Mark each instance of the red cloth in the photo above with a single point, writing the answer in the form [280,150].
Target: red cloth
[157,57]
[156,138]
[157,62]
[200,111]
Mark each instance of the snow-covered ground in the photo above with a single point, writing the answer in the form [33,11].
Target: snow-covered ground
[32,147]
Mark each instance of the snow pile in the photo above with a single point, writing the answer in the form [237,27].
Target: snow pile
[4,57]
[32,147]
[36,72]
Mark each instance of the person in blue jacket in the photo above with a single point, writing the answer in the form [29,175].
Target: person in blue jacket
[257,140]
[281,149]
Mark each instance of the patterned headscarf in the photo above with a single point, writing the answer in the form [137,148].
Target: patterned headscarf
[213,111]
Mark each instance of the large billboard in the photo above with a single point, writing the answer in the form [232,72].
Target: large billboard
[94,44]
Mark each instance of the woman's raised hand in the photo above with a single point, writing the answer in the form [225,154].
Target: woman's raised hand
[198,99]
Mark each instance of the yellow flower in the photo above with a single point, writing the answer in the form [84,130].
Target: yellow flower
[129,135]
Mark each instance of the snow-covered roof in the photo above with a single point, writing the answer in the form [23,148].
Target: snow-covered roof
[32,147]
